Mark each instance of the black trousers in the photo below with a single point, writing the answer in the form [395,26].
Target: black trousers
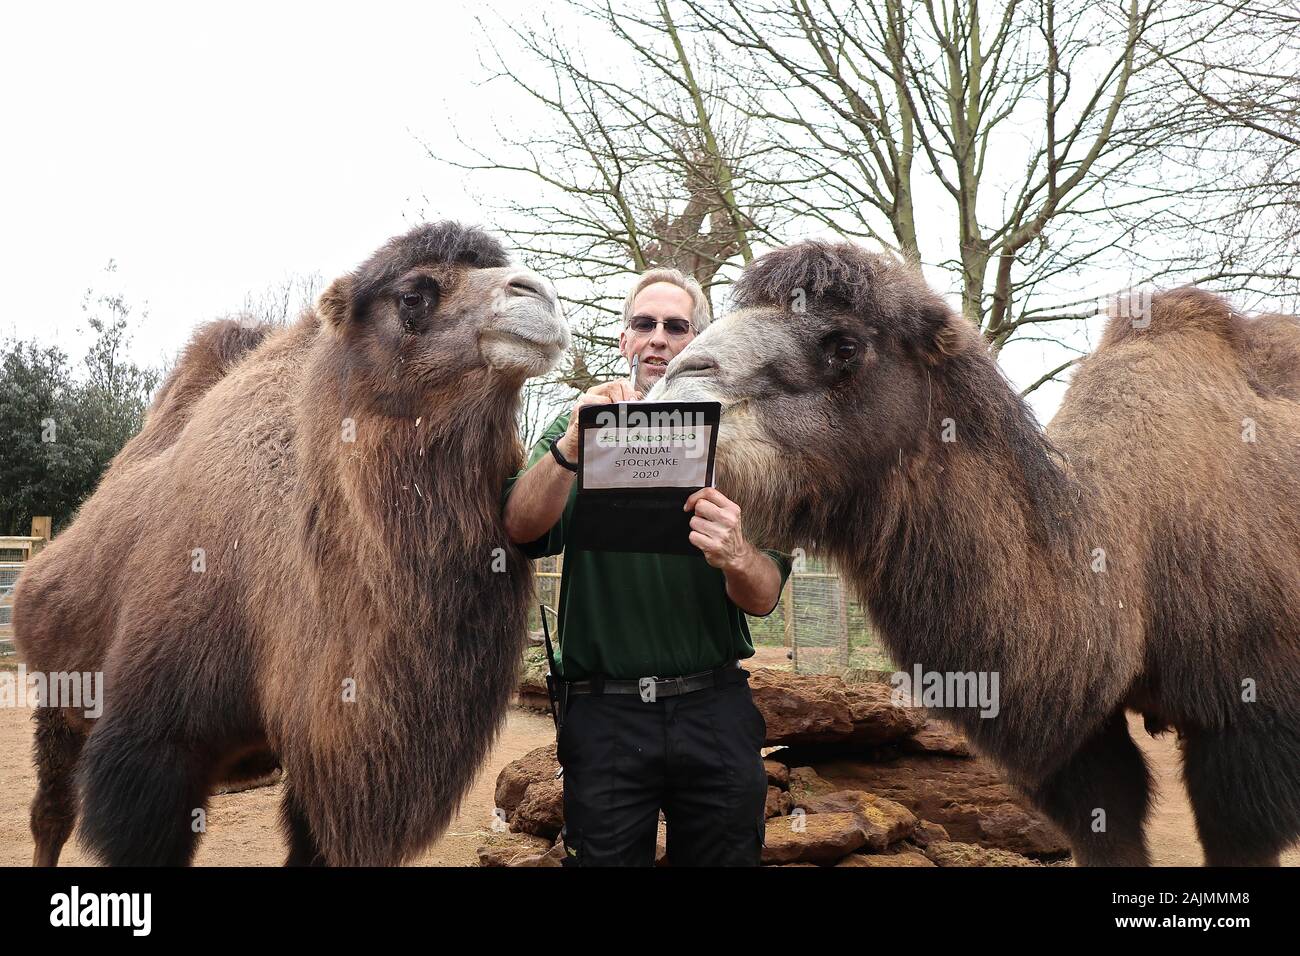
[695,756]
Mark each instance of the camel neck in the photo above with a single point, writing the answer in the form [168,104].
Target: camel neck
[980,501]
[435,476]
[977,561]
[414,491]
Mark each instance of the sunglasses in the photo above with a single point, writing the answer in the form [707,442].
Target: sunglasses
[676,328]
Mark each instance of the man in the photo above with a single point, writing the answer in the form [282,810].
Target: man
[631,746]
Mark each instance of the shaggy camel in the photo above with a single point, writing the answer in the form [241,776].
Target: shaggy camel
[1142,555]
[301,556]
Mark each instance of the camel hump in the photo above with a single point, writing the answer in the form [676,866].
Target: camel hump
[212,352]
[1274,350]
[1173,311]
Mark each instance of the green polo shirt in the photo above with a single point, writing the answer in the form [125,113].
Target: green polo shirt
[627,615]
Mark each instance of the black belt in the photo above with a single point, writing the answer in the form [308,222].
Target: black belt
[652,688]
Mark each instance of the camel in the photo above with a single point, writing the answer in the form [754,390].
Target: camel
[1142,555]
[301,559]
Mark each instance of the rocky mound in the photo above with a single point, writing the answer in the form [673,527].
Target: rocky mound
[854,780]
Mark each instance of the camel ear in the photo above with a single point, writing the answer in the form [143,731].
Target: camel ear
[335,304]
[941,332]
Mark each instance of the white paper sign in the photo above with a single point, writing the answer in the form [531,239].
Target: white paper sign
[628,451]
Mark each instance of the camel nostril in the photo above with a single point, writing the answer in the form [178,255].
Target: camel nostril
[695,365]
[528,285]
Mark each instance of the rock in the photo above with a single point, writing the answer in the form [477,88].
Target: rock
[937,737]
[555,856]
[819,838]
[778,803]
[536,766]
[806,784]
[513,849]
[778,774]
[927,833]
[534,698]
[813,709]
[966,795]
[1014,827]
[968,854]
[531,688]
[541,811]
[801,707]
[906,858]
[877,719]
[886,821]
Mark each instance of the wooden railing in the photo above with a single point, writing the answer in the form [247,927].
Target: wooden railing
[16,550]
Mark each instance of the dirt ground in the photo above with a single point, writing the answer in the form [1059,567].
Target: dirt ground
[242,827]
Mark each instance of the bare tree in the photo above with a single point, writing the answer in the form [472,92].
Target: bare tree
[283,301]
[1021,151]
[639,161]
[1243,79]
[1040,153]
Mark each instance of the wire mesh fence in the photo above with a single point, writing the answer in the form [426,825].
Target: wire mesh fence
[816,620]
[824,628]
[819,624]
[8,577]
[547,591]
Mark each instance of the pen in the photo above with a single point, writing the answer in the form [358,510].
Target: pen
[636,363]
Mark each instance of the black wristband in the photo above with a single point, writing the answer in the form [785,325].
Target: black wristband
[559,456]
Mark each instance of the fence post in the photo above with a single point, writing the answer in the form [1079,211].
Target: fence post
[843,610]
[787,610]
[41,528]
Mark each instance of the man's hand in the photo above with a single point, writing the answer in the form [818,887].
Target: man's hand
[753,578]
[716,530]
[619,390]
[539,496]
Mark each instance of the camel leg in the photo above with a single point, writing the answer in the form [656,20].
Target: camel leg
[141,794]
[54,809]
[1100,798]
[1244,786]
[303,850]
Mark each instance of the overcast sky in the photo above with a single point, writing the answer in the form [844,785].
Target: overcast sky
[212,154]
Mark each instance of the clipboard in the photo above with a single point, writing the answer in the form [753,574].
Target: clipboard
[638,462]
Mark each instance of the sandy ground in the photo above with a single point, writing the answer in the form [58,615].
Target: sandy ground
[242,827]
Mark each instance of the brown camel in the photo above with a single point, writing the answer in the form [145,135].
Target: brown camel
[1142,555]
[301,557]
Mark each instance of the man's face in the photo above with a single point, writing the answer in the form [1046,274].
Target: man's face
[659,302]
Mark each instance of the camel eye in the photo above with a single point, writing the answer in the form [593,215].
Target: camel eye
[841,353]
[416,306]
